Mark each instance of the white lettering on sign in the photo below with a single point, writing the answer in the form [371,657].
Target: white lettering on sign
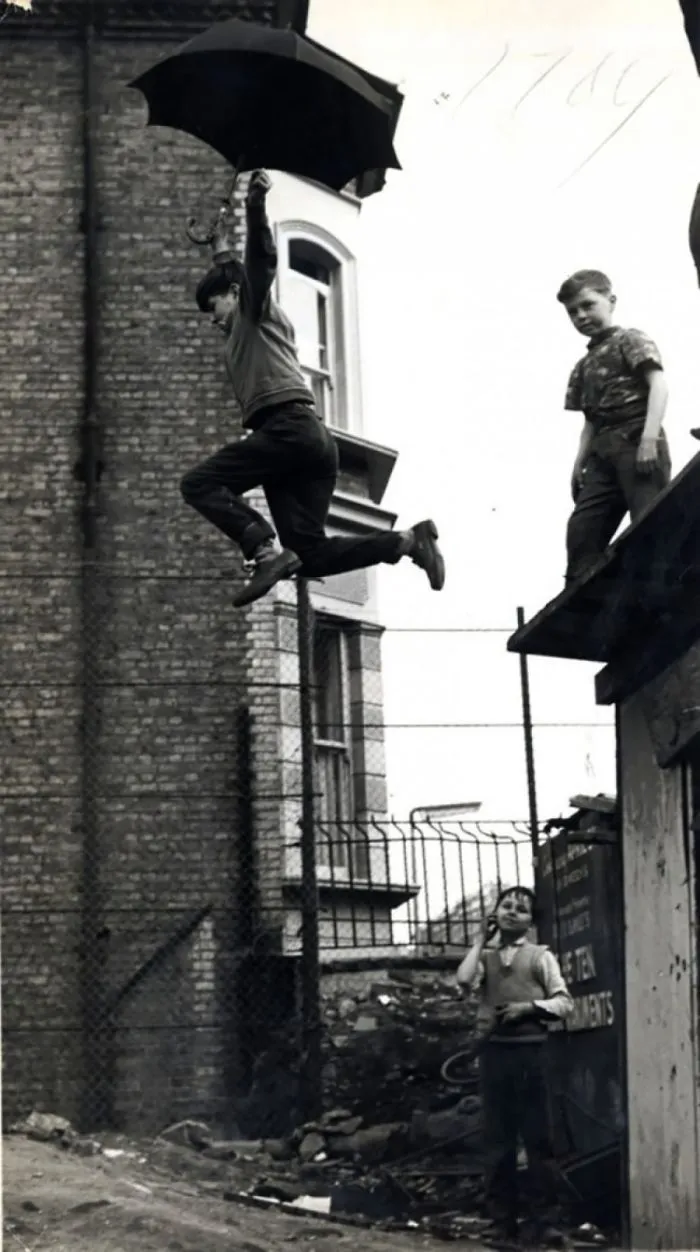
[574,852]
[572,876]
[578,964]
[574,925]
[585,963]
[592,1012]
[575,905]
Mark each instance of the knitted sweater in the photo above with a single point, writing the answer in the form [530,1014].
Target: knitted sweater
[516,983]
[261,355]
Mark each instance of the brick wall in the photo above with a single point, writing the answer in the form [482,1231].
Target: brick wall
[169,651]
[170,644]
[41,371]
[172,660]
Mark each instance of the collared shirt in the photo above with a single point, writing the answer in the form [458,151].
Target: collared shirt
[557,1000]
[608,385]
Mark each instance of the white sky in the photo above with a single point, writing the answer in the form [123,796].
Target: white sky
[466,352]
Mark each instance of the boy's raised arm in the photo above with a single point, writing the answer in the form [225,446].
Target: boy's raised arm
[260,248]
[470,966]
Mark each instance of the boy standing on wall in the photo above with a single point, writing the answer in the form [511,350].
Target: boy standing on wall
[620,387]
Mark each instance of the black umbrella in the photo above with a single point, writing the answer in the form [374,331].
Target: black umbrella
[694,233]
[266,97]
[691,21]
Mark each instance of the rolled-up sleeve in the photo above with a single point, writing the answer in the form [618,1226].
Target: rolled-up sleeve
[573,399]
[477,982]
[557,1001]
[640,351]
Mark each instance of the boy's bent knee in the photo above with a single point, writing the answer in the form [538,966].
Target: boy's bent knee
[191,485]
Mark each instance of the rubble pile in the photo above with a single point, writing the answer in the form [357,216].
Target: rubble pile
[394,1137]
[384,1049]
[49,1128]
[384,1044]
[340,1136]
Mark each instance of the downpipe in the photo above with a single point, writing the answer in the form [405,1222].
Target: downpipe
[96,1094]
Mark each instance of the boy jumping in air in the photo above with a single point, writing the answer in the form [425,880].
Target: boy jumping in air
[521,989]
[288,452]
[620,387]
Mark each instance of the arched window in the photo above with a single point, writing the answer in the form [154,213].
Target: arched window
[317,291]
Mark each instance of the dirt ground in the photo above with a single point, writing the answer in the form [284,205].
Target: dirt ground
[151,1200]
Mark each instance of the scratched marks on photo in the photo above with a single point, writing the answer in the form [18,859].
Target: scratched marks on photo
[596,91]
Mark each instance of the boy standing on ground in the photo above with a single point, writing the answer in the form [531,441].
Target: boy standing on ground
[620,387]
[521,989]
[288,452]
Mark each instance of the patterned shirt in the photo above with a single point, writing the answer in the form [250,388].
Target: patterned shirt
[608,384]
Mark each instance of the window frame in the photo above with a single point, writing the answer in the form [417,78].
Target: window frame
[325,377]
[346,855]
[345,370]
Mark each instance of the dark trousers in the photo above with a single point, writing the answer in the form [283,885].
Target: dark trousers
[612,486]
[516,1102]
[294,458]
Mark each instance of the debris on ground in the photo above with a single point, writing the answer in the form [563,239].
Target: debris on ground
[45,1128]
[396,1147]
[434,1195]
[54,1200]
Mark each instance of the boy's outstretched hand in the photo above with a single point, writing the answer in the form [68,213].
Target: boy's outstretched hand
[258,187]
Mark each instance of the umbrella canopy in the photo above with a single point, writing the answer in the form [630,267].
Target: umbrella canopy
[266,97]
[691,21]
[694,233]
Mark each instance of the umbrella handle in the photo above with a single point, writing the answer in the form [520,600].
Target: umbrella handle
[199,238]
[217,223]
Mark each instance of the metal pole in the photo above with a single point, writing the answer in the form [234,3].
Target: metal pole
[414,924]
[529,752]
[310,998]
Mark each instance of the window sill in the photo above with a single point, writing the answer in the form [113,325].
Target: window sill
[390,893]
[373,460]
[357,514]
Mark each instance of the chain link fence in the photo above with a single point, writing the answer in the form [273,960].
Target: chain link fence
[175,880]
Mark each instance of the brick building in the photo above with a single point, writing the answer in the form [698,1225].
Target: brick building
[151,747]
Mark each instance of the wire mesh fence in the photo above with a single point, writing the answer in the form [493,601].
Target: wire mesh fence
[175,880]
[413,886]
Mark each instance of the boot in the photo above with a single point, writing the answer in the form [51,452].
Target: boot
[268,571]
